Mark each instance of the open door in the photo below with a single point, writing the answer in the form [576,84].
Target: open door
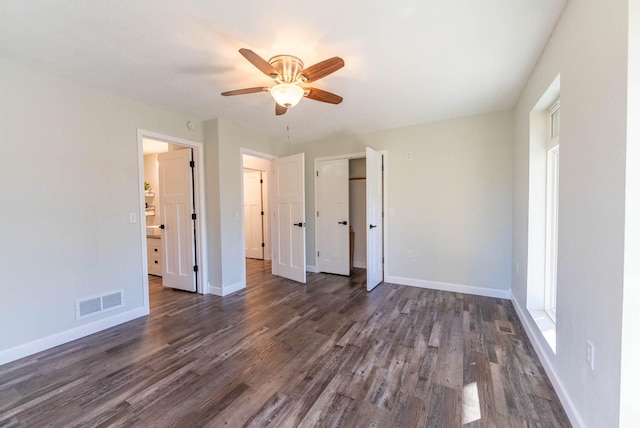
[374,218]
[253,215]
[176,204]
[332,216]
[289,258]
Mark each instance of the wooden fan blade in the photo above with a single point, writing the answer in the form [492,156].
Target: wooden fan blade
[324,96]
[244,91]
[259,62]
[280,110]
[321,69]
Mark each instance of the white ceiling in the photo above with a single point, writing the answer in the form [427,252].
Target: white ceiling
[407,62]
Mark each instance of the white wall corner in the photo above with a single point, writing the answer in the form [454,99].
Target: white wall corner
[215,290]
[312,269]
[228,289]
[66,336]
[445,286]
[539,347]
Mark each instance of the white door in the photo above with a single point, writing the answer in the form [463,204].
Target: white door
[374,218]
[176,205]
[289,259]
[332,216]
[253,215]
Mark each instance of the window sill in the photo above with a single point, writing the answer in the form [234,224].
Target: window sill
[546,326]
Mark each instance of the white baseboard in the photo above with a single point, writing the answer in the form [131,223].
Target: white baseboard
[539,347]
[312,269]
[48,342]
[445,286]
[216,291]
[227,289]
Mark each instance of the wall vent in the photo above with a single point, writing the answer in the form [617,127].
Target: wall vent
[505,327]
[95,305]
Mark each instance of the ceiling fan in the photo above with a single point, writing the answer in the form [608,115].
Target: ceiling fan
[289,74]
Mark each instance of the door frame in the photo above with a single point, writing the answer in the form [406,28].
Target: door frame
[266,189]
[199,199]
[358,155]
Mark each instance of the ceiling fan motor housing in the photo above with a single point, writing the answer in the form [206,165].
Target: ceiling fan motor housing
[289,67]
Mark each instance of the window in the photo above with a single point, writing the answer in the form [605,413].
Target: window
[551,217]
[542,235]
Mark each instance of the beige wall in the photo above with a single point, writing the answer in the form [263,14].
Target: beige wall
[70,180]
[589,51]
[450,204]
[224,141]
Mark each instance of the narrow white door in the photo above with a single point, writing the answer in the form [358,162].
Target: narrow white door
[176,204]
[253,215]
[289,259]
[332,216]
[374,218]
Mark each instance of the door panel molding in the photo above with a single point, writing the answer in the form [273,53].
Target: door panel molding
[289,249]
[331,186]
[178,234]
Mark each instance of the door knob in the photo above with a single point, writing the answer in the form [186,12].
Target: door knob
[343,222]
[298,224]
[371,226]
[161,226]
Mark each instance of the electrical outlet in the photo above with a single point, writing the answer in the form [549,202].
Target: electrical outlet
[409,155]
[133,218]
[591,355]
[410,254]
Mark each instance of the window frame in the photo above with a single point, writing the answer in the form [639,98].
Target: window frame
[551,214]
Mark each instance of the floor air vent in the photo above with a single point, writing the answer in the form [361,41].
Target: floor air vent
[505,327]
[94,305]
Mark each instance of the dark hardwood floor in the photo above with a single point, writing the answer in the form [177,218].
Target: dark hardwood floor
[283,354]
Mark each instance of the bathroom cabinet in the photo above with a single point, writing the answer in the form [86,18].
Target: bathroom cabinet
[154,255]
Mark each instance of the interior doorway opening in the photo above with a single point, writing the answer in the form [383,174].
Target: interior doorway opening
[350,195]
[256,175]
[172,217]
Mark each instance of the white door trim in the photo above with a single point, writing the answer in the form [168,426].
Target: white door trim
[199,195]
[385,194]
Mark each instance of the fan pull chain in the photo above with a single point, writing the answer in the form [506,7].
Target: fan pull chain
[288,134]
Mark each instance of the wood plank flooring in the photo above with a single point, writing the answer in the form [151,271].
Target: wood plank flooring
[282,354]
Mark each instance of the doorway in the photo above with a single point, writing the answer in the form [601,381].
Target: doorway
[349,190]
[256,175]
[172,212]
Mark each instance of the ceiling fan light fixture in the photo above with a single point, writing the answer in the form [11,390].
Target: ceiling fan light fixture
[287,94]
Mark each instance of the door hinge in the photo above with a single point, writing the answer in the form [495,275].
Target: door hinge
[263,245]
[193,216]
[318,253]
[317,174]
[192,164]
[261,212]
[195,268]
[383,260]
[317,213]
[261,181]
